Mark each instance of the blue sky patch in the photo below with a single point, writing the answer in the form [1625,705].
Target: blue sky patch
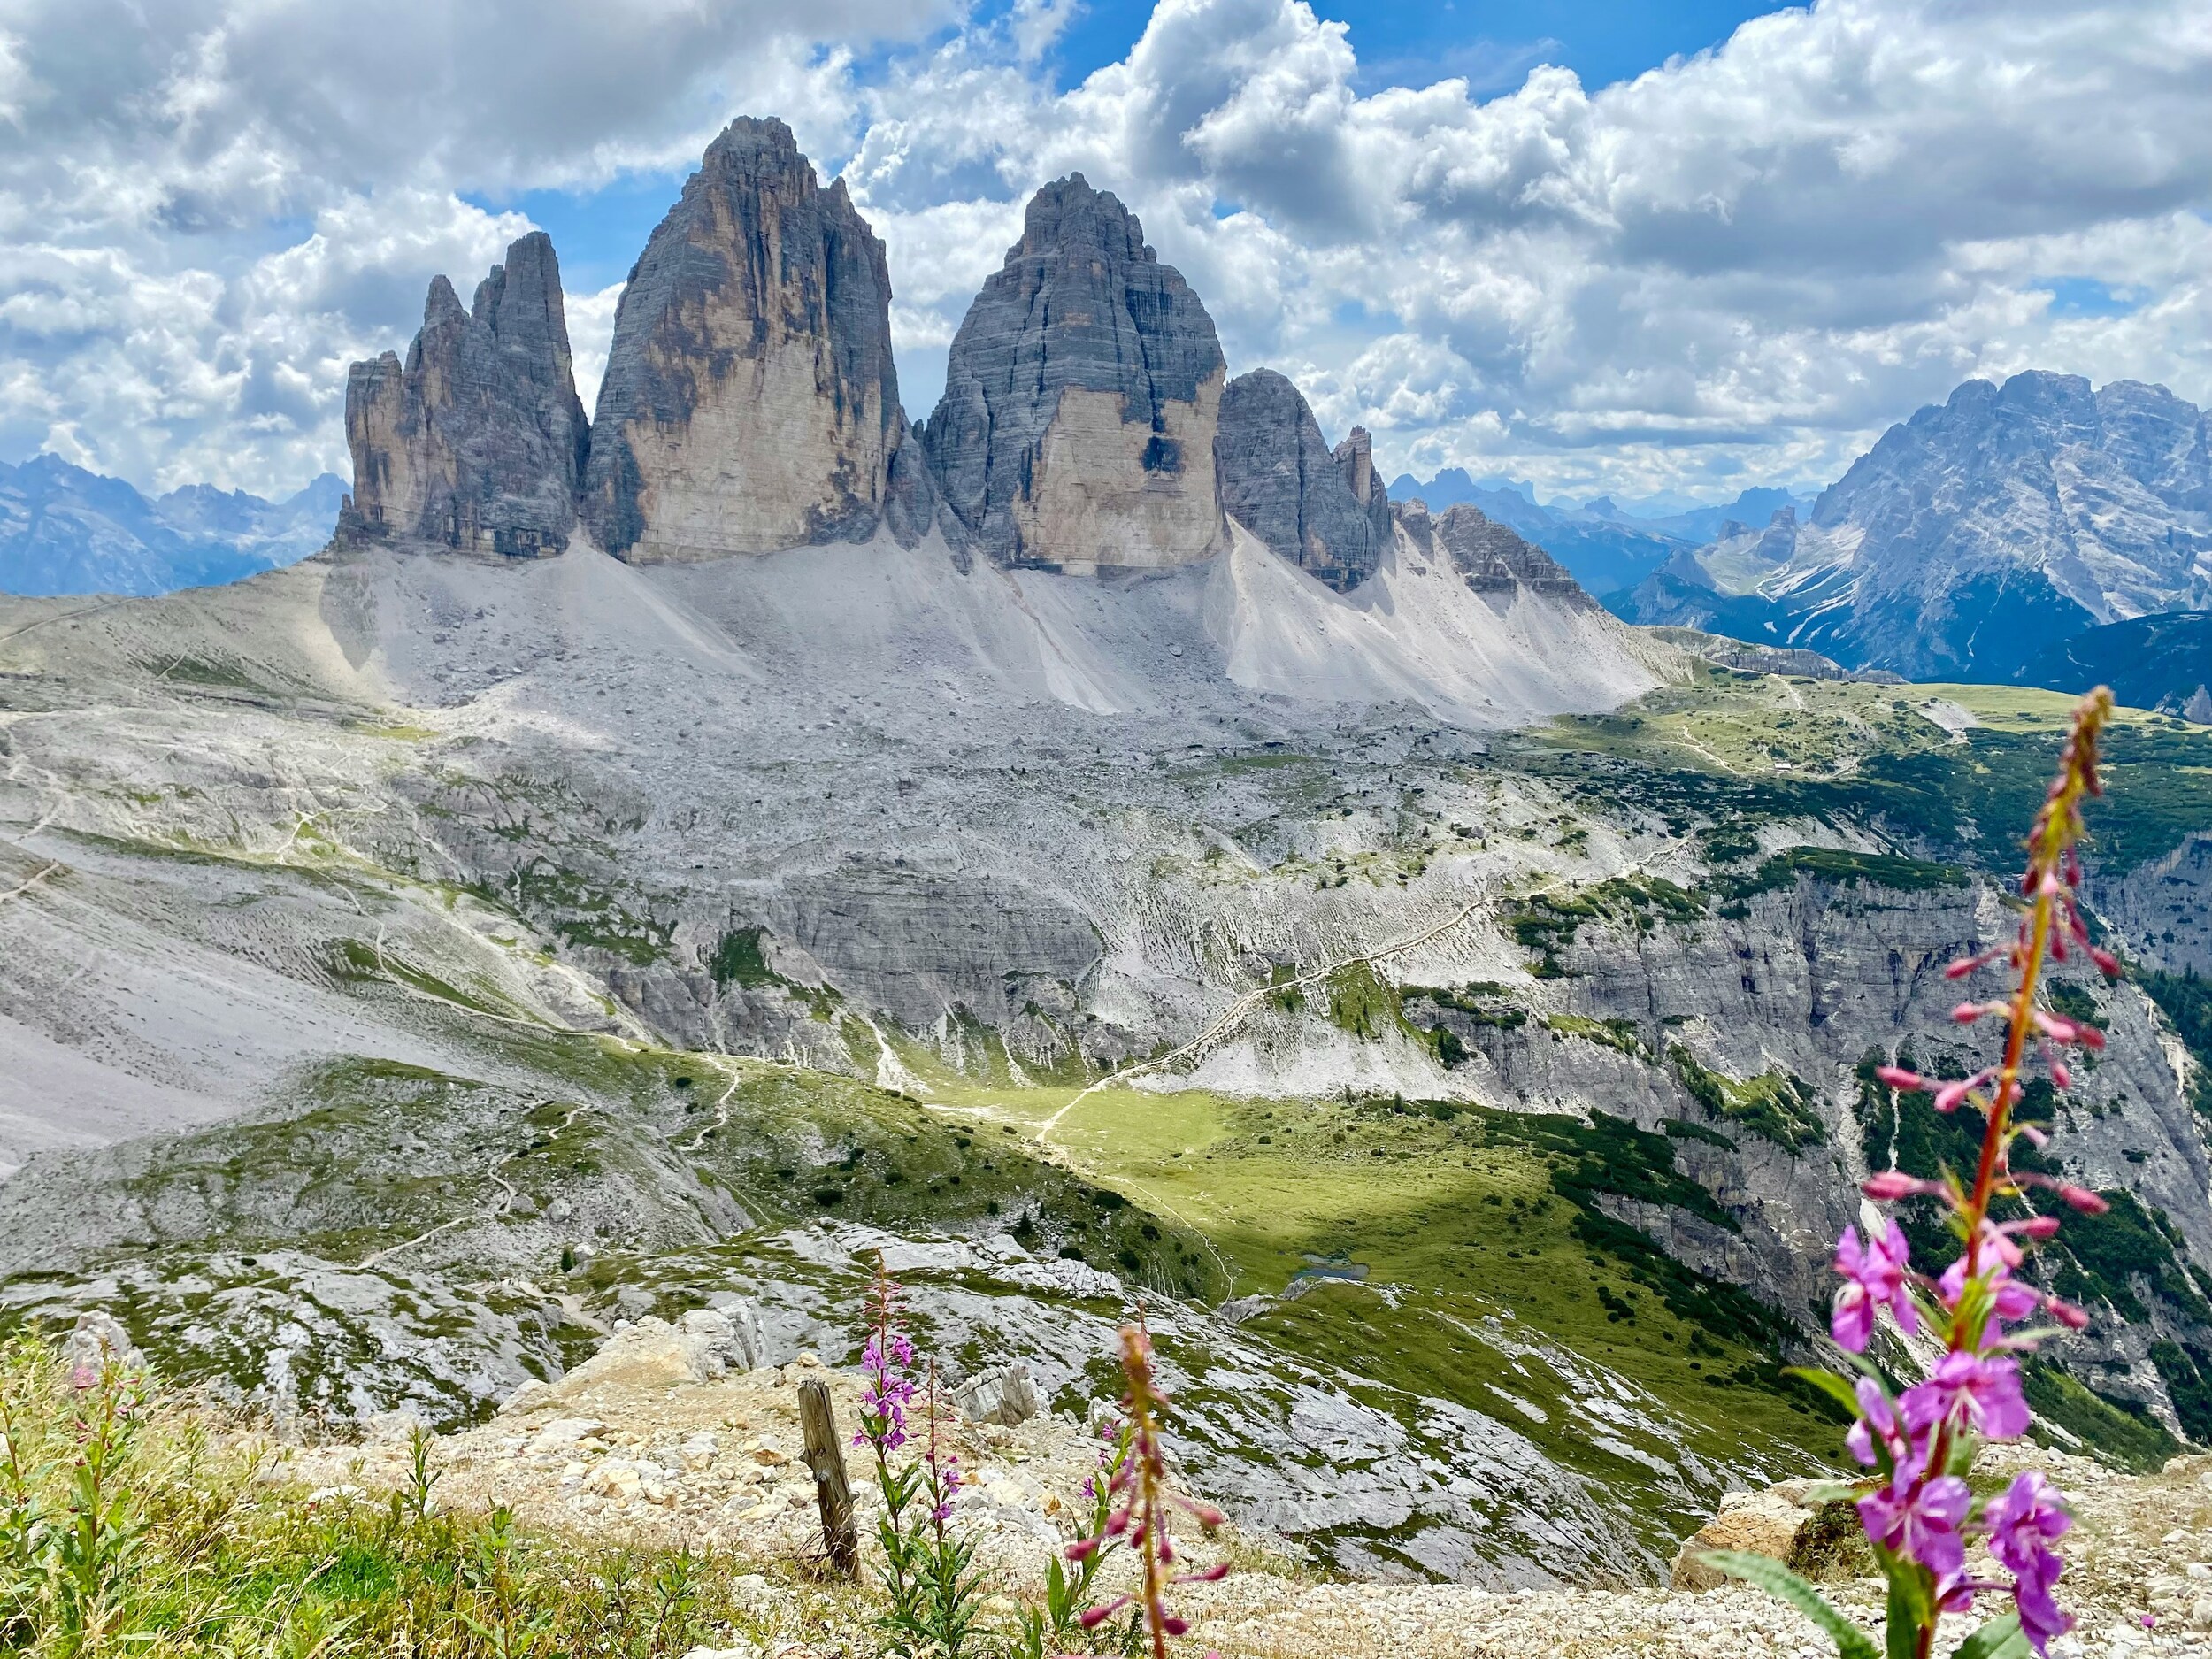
[2087,297]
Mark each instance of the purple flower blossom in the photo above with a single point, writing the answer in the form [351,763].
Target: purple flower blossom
[1919,1520]
[1981,1391]
[2024,1521]
[2040,1616]
[1874,1275]
[1875,1417]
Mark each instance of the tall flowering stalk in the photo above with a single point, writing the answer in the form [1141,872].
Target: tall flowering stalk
[887,1362]
[1069,1587]
[929,1571]
[1922,1443]
[1139,1503]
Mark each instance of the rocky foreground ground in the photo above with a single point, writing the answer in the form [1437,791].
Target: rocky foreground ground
[653,1441]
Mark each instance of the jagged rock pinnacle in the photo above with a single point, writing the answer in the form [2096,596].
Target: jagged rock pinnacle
[1077,427]
[477,442]
[1323,512]
[750,402]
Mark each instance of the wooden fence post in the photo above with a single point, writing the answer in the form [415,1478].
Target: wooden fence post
[827,1458]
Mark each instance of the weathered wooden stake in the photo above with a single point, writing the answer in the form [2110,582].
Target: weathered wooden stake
[825,1456]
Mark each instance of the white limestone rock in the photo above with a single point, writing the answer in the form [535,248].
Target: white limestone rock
[750,402]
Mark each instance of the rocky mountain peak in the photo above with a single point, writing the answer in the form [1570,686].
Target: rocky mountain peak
[1492,558]
[1081,398]
[477,442]
[1976,536]
[1282,482]
[1355,458]
[751,402]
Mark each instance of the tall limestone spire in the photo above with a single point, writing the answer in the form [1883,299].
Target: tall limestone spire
[477,442]
[750,402]
[1323,512]
[1077,427]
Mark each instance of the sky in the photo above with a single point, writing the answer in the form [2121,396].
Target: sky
[1663,249]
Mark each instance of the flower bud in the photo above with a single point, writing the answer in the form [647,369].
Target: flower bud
[1967,1013]
[1897,1077]
[2038,1226]
[2106,962]
[2082,1198]
[2068,1315]
[1890,1185]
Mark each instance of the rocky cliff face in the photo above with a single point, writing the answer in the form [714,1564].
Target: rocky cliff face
[1082,397]
[1975,535]
[751,402]
[1325,512]
[1493,558]
[477,442]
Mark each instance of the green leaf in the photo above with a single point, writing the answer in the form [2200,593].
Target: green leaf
[1772,1577]
[1999,1638]
[1907,1599]
[1835,1387]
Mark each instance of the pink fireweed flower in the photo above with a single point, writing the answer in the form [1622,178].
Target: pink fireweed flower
[2040,1616]
[1897,1077]
[1948,1098]
[1981,1391]
[2009,1301]
[1876,1417]
[2068,1315]
[2024,1521]
[1919,1520]
[1874,1275]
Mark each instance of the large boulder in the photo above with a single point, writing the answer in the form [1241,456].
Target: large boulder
[1081,398]
[1005,1394]
[750,402]
[1280,481]
[1768,1523]
[477,440]
[650,1353]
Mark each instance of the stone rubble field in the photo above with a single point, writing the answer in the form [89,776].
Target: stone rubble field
[655,1441]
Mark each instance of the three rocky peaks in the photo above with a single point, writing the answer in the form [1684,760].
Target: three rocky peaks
[750,403]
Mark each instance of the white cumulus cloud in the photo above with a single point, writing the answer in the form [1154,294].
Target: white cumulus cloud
[1736,268]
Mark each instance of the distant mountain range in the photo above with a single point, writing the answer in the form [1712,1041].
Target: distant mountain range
[1976,540]
[63,530]
[1605,547]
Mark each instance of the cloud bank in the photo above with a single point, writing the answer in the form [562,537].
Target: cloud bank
[1735,268]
